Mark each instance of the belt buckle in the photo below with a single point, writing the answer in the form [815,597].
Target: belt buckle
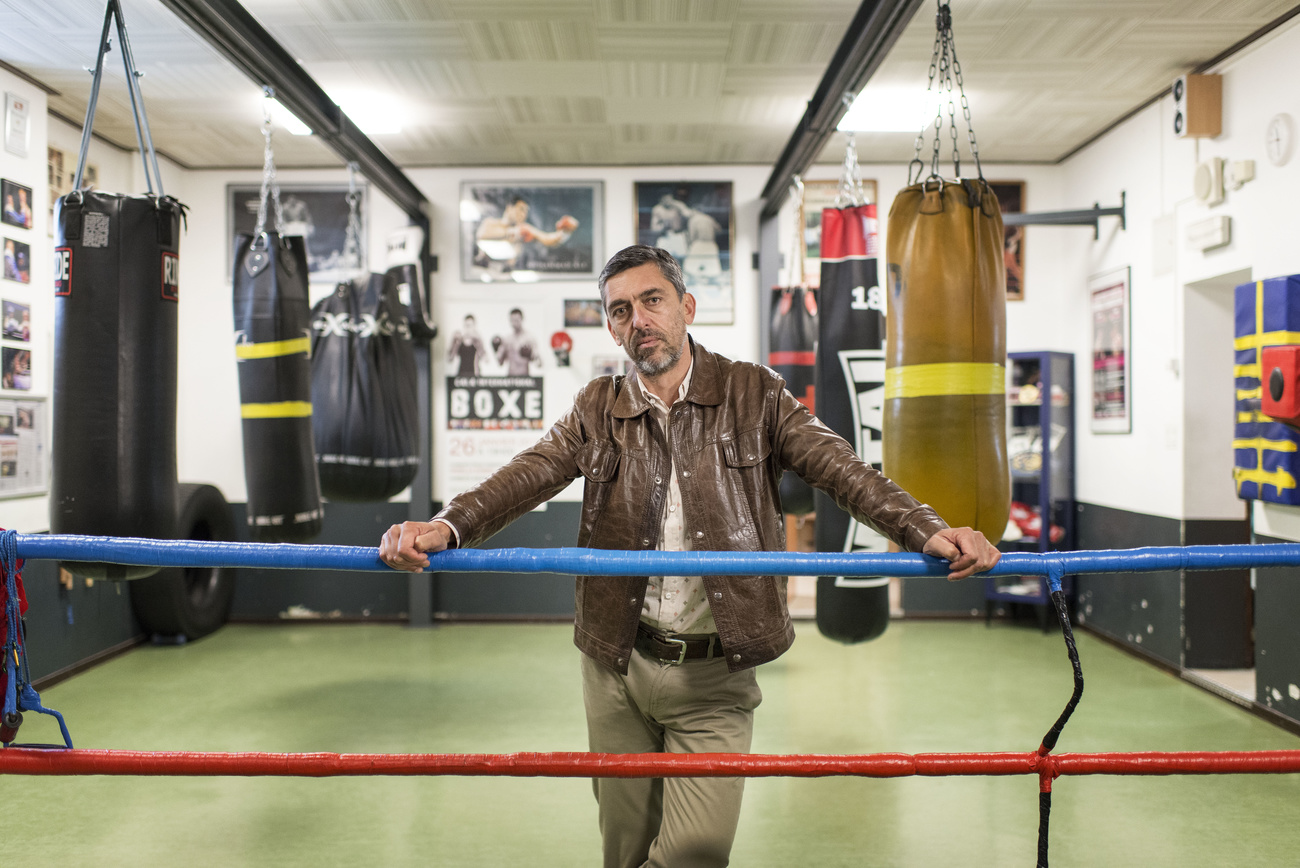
[681,656]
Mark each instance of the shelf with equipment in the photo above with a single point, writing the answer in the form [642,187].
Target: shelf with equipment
[1040,450]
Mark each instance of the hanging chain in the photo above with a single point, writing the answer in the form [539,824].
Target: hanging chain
[352,253]
[850,191]
[795,275]
[945,78]
[269,183]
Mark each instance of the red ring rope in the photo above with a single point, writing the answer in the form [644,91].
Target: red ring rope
[21,761]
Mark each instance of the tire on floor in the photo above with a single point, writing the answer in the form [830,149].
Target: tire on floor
[186,603]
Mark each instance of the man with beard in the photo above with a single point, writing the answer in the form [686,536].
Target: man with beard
[685,454]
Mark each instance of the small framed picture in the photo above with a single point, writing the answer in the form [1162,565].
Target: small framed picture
[16,369]
[1011,200]
[17,202]
[1112,400]
[530,231]
[18,261]
[607,366]
[692,220]
[582,313]
[18,131]
[17,321]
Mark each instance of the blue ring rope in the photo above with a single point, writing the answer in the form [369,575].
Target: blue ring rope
[601,562]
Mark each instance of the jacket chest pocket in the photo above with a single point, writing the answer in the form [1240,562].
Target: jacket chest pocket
[747,449]
[598,461]
[745,457]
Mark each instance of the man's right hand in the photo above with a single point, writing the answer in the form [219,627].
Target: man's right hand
[407,546]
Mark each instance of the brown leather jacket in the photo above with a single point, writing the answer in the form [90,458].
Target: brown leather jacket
[729,440]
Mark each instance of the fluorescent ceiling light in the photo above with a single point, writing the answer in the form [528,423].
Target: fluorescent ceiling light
[281,116]
[896,110]
[374,114]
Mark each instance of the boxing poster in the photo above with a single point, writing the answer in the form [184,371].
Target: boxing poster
[496,358]
[528,232]
[850,382]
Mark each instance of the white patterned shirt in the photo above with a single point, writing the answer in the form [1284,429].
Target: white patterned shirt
[674,604]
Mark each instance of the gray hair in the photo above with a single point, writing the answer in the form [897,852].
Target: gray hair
[638,255]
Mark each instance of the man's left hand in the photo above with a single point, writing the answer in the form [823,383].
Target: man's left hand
[966,550]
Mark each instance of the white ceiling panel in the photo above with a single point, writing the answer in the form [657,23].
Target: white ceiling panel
[562,82]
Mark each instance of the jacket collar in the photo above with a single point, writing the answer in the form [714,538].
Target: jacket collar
[706,386]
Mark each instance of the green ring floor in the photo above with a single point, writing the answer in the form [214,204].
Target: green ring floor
[923,686]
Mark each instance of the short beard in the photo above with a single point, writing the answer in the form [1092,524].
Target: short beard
[651,368]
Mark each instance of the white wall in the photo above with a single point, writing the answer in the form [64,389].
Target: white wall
[209,437]
[1159,468]
[1180,297]
[30,514]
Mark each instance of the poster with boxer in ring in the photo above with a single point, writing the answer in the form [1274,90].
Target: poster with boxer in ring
[531,231]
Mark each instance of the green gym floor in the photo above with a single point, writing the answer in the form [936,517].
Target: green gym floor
[923,686]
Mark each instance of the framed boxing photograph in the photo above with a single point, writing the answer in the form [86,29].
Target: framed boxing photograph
[693,221]
[530,231]
[17,203]
[1011,200]
[319,213]
[17,320]
[17,261]
[1112,395]
[583,313]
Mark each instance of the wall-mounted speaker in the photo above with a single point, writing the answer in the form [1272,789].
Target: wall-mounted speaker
[1198,106]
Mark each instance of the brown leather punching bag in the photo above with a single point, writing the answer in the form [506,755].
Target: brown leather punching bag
[945,353]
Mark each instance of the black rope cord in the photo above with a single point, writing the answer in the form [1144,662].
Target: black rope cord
[1046,774]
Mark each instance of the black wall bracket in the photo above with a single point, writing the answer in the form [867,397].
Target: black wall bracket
[1088,217]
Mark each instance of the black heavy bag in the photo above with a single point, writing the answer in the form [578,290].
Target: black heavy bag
[273,346]
[850,381]
[115,288]
[363,390]
[115,295]
[793,355]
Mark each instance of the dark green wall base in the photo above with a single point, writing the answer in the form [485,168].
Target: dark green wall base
[66,628]
[262,595]
[266,595]
[514,595]
[1188,620]
[1277,641]
[934,597]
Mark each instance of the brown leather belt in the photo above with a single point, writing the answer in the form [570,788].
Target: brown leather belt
[676,648]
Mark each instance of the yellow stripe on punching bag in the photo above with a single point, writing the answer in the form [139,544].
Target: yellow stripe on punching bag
[945,353]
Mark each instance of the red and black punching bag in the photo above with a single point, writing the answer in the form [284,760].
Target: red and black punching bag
[115,321]
[793,355]
[273,349]
[849,387]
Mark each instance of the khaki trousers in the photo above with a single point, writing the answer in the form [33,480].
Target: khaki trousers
[697,707]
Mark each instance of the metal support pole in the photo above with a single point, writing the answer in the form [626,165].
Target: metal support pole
[237,36]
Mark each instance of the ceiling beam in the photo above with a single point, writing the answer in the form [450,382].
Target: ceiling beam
[229,28]
[871,34]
